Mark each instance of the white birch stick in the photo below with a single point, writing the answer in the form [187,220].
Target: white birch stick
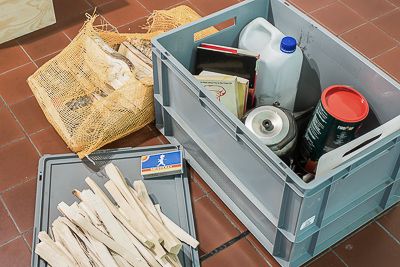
[110,222]
[181,234]
[129,225]
[142,249]
[92,245]
[100,248]
[50,255]
[65,257]
[93,218]
[121,261]
[70,243]
[115,175]
[171,243]
[144,197]
[132,214]
[85,225]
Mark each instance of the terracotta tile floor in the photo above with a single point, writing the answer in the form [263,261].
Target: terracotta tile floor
[371,27]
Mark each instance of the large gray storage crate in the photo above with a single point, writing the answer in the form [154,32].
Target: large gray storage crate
[292,219]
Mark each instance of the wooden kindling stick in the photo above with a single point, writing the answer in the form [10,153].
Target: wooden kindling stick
[84,224]
[56,251]
[114,210]
[142,249]
[176,230]
[116,177]
[71,244]
[171,243]
[132,215]
[110,222]
[50,255]
[92,254]
[144,197]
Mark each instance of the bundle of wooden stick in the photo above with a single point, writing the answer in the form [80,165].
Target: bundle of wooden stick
[96,232]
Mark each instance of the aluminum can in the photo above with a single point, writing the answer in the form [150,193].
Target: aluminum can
[335,121]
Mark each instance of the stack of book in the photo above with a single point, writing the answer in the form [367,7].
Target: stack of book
[230,74]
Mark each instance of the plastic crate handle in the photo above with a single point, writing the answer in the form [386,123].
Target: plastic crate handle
[342,154]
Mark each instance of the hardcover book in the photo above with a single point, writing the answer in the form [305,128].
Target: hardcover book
[230,61]
[225,89]
[243,89]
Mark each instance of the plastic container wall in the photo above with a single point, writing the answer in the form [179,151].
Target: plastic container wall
[293,220]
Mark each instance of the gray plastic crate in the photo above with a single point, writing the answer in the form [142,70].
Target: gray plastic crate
[292,219]
[58,175]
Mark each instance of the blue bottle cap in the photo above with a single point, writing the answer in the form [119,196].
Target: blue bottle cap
[288,45]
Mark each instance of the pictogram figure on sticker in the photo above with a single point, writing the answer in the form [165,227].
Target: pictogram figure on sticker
[161,161]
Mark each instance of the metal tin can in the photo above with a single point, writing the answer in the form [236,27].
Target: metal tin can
[336,119]
[274,126]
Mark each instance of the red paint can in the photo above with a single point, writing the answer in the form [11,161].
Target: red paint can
[336,119]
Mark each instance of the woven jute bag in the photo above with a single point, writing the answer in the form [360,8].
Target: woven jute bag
[90,93]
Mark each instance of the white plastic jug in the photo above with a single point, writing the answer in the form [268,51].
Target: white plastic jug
[279,64]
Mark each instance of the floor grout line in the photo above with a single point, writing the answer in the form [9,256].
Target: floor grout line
[384,14]
[174,5]
[353,47]
[18,185]
[385,52]
[41,130]
[367,20]
[365,17]
[337,255]
[317,257]
[143,6]
[26,243]
[197,199]
[356,27]
[197,8]
[371,21]
[30,62]
[70,40]
[251,244]
[9,241]
[9,214]
[27,136]
[308,13]
[353,233]
[215,204]
[148,127]
[388,210]
[89,3]
[4,102]
[13,142]
[387,231]
[21,100]
[206,194]
[76,14]
[26,53]
[23,238]
[224,246]
[223,213]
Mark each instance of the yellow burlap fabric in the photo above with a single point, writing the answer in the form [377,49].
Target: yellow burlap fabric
[93,98]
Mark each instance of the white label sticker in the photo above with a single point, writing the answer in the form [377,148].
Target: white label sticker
[307,222]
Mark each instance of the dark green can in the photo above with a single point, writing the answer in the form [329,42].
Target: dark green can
[336,120]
